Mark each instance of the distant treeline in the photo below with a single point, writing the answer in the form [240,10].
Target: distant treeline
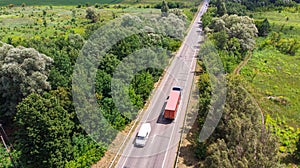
[236,7]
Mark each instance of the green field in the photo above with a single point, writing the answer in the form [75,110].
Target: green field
[57,2]
[84,2]
[273,75]
[20,23]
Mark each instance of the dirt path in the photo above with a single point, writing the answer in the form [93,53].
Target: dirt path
[236,71]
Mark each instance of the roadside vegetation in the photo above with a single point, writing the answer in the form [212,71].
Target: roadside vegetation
[268,82]
[40,42]
[39,48]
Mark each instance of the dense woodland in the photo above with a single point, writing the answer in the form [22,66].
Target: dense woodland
[37,110]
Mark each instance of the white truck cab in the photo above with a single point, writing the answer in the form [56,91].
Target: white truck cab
[143,135]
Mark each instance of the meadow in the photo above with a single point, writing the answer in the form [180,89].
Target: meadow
[30,22]
[56,2]
[274,75]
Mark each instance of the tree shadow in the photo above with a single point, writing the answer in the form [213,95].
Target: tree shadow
[290,159]
[188,149]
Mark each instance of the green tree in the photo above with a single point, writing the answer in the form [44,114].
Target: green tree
[288,46]
[240,27]
[103,84]
[22,71]
[207,17]
[44,131]
[143,84]
[220,39]
[4,157]
[240,139]
[92,15]
[218,155]
[221,8]
[263,27]
[164,9]
[235,8]
[86,152]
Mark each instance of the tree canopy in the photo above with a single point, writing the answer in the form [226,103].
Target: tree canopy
[91,14]
[263,27]
[240,139]
[45,131]
[237,27]
[22,71]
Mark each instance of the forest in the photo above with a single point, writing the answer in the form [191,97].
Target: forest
[41,43]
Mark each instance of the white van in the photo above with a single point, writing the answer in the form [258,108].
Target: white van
[143,135]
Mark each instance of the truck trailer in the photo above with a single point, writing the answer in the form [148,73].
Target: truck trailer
[172,104]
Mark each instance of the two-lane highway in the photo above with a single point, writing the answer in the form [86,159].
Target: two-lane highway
[160,150]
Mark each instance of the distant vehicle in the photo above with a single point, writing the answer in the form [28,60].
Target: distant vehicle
[143,135]
[172,104]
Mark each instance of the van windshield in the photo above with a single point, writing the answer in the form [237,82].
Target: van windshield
[140,137]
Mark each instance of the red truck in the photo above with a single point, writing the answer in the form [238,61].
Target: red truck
[172,104]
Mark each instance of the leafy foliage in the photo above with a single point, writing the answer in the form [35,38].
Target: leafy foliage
[235,8]
[285,45]
[240,27]
[22,71]
[4,158]
[241,5]
[91,14]
[238,141]
[234,36]
[263,27]
[56,2]
[85,152]
[288,136]
[208,16]
[221,7]
[45,130]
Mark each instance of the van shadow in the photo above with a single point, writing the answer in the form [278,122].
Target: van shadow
[161,119]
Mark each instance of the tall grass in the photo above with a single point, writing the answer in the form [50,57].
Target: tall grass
[273,75]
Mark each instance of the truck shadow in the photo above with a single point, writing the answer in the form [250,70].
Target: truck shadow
[161,119]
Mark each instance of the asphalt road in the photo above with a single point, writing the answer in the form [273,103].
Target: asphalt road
[161,147]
